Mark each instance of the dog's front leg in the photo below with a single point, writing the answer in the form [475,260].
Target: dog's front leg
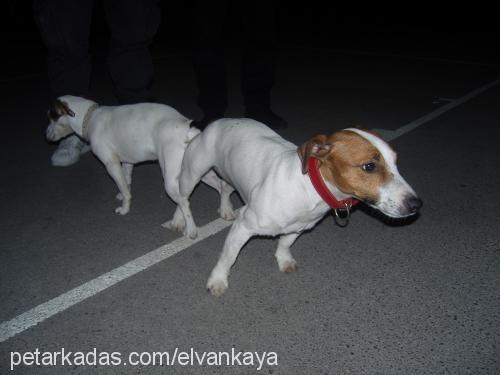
[237,237]
[285,260]
[115,171]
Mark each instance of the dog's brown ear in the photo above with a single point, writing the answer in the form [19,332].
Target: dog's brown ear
[59,108]
[54,112]
[317,147]
[66,109]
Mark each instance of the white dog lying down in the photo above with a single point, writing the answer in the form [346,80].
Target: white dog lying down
[122,136]
[270,174]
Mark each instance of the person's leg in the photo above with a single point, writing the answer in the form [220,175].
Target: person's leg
[64,27]
[208,58]
[133,25]
[257,65]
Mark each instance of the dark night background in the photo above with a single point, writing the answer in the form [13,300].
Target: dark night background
[417,29]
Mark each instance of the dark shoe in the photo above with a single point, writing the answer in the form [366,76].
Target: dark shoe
[69,150]
[267,117]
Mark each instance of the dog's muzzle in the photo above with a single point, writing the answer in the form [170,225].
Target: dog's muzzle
[413,204]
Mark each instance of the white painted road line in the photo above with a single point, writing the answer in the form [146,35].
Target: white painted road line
[64,301]
[50,308]
[389,135]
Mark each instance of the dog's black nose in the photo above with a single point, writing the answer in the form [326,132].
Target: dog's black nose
[413,203]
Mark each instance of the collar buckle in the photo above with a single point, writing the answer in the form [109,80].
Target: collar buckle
[342,215]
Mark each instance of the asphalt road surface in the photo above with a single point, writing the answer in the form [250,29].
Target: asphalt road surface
[421,297]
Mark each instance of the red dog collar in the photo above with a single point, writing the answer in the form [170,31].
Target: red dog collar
[323,191]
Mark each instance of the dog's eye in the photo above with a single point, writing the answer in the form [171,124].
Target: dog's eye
[369,167]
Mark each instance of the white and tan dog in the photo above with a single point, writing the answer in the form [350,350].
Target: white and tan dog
[270,174]
[121,136]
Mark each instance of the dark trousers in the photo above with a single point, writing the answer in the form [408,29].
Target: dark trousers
[257,42]
[65,28]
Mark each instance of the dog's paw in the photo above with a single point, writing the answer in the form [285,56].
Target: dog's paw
[288,265]
[217,286]
[174,226]
[122,210]
[227,213]
[190,233]
[119,196]
[180,226]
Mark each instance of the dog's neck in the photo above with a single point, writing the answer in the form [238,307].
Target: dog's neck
[80,123]
[317,200]
[86,120]
[337,193]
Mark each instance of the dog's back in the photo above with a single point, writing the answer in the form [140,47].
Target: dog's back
[237,149]
[140,130]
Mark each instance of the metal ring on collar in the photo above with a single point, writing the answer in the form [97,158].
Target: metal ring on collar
[342,220]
